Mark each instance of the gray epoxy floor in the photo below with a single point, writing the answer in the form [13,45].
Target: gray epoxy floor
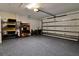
[39,46]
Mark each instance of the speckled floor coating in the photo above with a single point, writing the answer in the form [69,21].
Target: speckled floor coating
[39,46]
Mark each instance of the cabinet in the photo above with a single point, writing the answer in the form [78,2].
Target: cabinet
[25,29]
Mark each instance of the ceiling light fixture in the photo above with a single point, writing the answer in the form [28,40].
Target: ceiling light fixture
[32,6]
[36,10]
[36,6]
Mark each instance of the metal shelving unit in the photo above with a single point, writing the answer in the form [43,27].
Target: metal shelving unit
[9,28]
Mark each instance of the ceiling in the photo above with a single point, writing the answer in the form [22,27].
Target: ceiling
[54,8]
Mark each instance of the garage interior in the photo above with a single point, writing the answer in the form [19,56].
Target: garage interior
[39,29]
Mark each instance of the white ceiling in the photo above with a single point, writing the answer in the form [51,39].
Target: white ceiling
[54,8]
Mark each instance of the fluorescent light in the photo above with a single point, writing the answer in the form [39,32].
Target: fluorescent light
[32,6]
[36,10]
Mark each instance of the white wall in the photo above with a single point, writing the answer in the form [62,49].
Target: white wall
[34,23]
[7,15]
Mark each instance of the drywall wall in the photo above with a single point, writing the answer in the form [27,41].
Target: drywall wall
[7,15]
[64,27]
[34,23]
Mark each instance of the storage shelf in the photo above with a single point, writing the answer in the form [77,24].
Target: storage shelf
[9,23]
[9,30]
[10,26]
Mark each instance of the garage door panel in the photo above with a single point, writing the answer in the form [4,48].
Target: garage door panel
[60,33]
[51,28]
[59,28]
[64,26]
[51,31]
[72,28]
[45,24]
[52,23]
[73,34]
